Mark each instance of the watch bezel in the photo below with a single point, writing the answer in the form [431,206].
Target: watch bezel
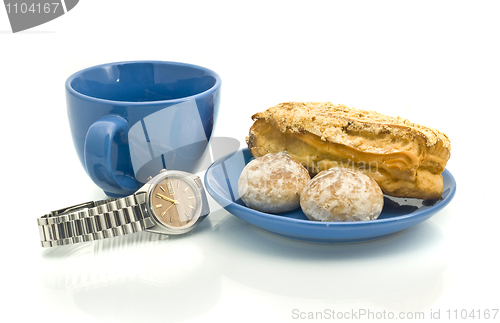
[190,180]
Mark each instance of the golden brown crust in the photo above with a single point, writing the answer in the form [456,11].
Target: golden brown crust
[406,159]
[334,122]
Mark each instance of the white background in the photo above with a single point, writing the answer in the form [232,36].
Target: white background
[433,62]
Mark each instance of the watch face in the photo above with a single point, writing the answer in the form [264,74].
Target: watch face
[175,200]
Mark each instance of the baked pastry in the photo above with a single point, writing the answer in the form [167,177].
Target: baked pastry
[272,183]
[404,158]
[341,195]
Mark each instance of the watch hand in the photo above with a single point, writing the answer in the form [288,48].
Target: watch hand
[166,198]
[163,213]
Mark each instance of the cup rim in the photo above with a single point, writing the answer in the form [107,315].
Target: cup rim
[75,93]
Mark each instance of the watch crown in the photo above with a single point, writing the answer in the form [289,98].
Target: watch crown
[149,178]
[163,170]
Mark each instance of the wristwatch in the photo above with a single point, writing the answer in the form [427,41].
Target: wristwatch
[172,202]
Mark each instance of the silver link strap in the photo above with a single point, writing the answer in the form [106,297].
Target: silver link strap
[94,221]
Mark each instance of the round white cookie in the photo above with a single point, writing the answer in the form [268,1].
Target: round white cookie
[273,183]
[342,195]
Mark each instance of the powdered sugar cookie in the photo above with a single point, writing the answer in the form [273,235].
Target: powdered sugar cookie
[342,195]
[273,183]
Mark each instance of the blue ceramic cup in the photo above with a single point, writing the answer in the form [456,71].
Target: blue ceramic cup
[131,119]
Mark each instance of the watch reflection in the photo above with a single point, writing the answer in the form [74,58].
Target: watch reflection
[136,277]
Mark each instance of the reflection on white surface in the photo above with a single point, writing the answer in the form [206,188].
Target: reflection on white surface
[113,280]
[134,277]
[384,271]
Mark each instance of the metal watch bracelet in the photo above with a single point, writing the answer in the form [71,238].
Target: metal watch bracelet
[95,220]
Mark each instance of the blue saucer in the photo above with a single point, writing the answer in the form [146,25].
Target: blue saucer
[221,181]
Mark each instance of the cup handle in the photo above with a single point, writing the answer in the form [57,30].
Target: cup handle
[97,155]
